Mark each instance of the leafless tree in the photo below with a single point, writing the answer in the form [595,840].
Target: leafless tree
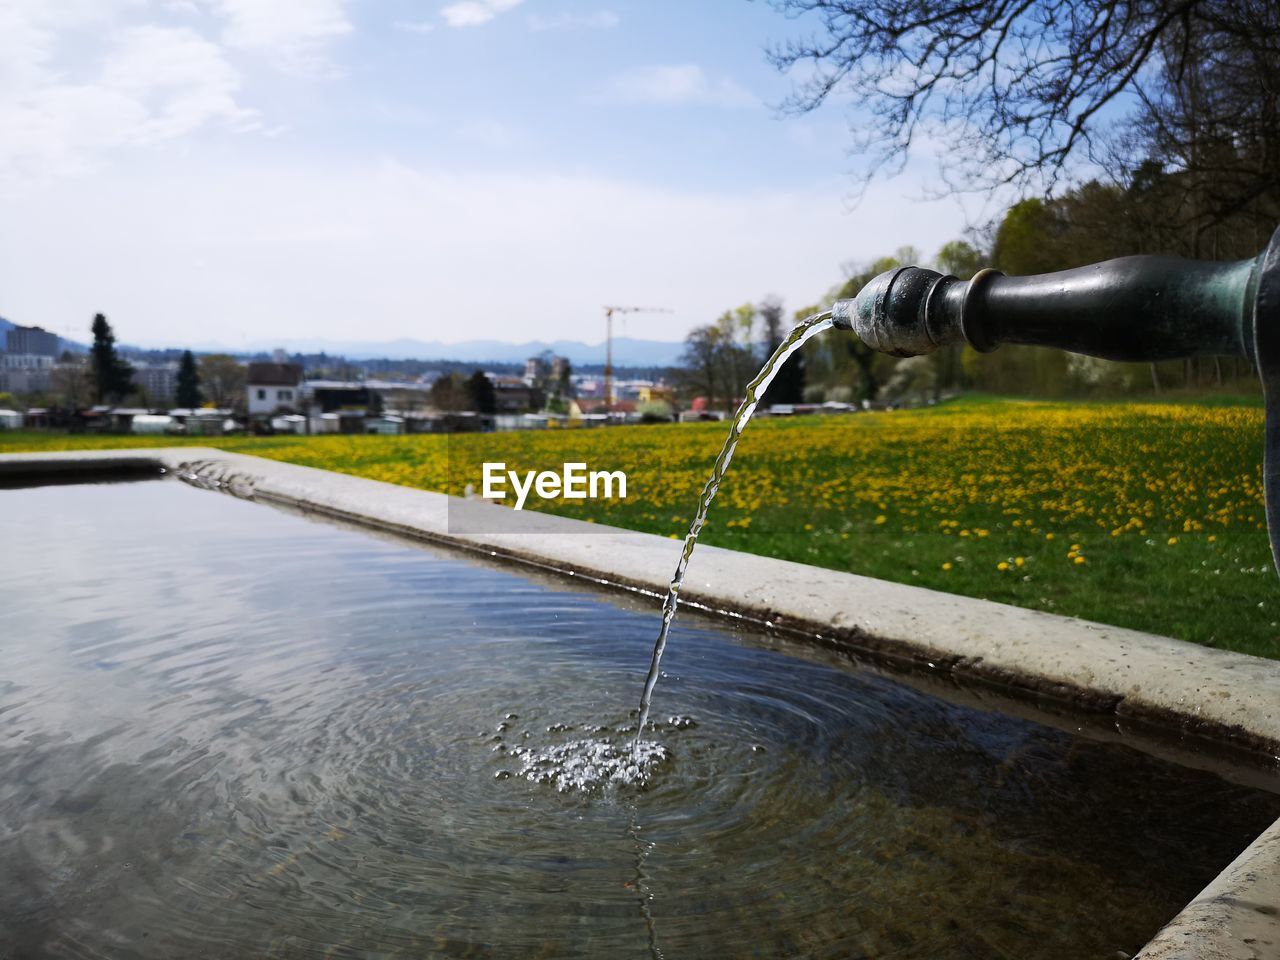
[770,312]
[699,370]
[71,382]
[1028,92]
[222,378]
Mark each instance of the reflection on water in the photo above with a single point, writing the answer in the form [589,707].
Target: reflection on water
[229,732]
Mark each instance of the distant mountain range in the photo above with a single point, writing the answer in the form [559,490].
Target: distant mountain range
[627,351]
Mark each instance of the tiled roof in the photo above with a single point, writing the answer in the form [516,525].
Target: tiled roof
[274,374]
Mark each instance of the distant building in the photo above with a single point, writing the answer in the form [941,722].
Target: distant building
[31,340]
[157,379]
[514,396]
[332,396]
[271,386]
[553,370]
[655,393]
[583,409]
[26,372]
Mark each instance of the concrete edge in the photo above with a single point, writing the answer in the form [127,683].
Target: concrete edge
[1227,696]
[1236,917]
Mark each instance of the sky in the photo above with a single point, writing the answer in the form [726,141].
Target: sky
[242,172]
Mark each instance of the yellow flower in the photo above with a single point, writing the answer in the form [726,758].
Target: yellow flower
[1172,541]
[947,565]
[1002,565]
[1079,559]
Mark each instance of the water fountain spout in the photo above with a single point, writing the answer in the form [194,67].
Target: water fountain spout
[1143,308]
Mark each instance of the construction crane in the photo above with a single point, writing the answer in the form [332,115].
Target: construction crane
[608,350]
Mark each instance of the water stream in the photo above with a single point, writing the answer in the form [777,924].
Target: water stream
[803,331]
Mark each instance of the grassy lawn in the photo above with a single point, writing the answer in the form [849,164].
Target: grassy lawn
[1142,515]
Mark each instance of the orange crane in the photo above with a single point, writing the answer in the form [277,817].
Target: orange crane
[608,350]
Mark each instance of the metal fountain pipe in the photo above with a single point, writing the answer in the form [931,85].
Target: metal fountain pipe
[1133,309]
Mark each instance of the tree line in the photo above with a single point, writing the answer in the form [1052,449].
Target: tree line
[1090,223]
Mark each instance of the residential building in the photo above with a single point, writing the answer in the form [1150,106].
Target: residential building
[655,393]
[31,340]
[273,386]
[537,367]
[26,372]
[514,396]
[157,379]
[331,396]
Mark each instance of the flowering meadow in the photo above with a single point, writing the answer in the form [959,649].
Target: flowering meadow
[1142,515]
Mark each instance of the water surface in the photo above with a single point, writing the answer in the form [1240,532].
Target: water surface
[227,731]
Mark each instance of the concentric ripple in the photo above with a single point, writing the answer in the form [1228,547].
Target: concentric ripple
[230,732]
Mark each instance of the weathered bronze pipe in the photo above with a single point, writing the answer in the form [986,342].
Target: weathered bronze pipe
[1134,309]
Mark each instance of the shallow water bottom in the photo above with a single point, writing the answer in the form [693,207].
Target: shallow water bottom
[228,731]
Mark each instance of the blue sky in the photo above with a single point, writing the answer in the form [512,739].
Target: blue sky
[244,170]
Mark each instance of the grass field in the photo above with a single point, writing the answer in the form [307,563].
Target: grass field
[1147,516]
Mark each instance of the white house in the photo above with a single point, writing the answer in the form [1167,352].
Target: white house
[273,386]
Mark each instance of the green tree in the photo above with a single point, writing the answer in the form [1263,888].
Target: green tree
[449,393]
[960,259]
[788,384]
[480,391]
[112,375]
[187,389]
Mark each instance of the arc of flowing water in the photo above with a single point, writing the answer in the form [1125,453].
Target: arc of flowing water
[802,332]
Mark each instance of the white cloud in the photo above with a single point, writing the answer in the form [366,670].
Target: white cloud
[296,32]
[80,78]
[600,20]
[151,84]
[384,250]
[472,13]
[677,84]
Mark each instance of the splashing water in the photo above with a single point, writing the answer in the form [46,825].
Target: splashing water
[803,331]
[585,765]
